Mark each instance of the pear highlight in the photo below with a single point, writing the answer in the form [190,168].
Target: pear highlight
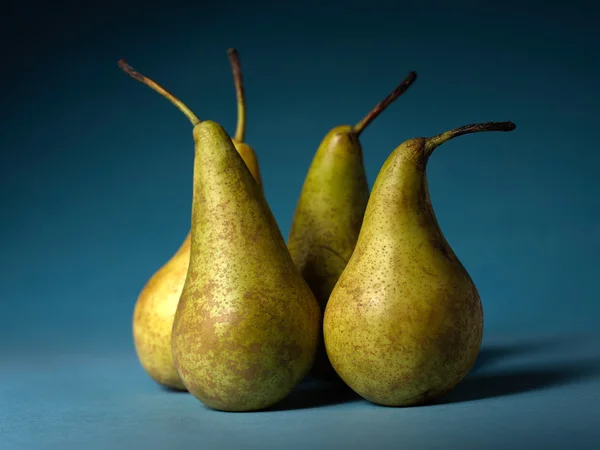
[156,304]
[404,323]
[330,210]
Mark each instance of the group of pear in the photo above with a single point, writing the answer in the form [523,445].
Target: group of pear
[366,291]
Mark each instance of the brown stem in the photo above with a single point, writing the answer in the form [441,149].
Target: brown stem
[236,68]
[161,90]
[435,141]
[387,101]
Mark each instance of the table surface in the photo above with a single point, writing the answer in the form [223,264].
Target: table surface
[535,391]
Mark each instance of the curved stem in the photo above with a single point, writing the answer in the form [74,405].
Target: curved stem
[236,68]
[387,101]
[435,141]
[161,90]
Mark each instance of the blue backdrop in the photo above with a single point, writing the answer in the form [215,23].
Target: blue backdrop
[96,168]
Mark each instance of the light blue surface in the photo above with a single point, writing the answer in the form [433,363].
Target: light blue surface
[524,392]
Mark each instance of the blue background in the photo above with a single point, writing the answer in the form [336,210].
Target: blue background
[96,194]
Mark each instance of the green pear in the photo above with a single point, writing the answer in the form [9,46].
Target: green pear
[247,325]
[330,210]
[157,302]
[404,323]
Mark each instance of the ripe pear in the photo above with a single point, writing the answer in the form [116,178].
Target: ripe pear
[246,327]
[156,304]
[153,318]
[404,323]
[330,210]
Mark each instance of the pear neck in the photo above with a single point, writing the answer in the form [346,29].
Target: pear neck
[410,187]
[220,173]
[341,143]
[402,184]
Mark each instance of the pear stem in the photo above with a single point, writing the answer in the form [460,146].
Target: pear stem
[161,90]
[435,141]
[383,104]
[236,68]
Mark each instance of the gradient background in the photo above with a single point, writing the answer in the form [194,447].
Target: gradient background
[96,194]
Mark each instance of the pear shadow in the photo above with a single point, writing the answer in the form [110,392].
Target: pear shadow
[479,387]
[483,383]
[172,390]
[314,393]
[490,354]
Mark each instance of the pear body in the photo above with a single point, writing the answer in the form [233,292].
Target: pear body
[328,218]
[404,324]
[247,325]
[155,308]
[153,318]
[250,158]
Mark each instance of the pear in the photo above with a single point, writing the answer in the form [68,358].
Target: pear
[404,323]
[330,210]
[156,304]
[246,327]
[153,318]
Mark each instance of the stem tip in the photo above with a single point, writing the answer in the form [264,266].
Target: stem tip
[383,104]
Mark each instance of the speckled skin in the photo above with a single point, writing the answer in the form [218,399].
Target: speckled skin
[404,324]
[327,219]
[247,325]
[155,307]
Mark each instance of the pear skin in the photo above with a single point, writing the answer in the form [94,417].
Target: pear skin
[404,323]
[247,325]
[156,304]
[330,211]
[153,318]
